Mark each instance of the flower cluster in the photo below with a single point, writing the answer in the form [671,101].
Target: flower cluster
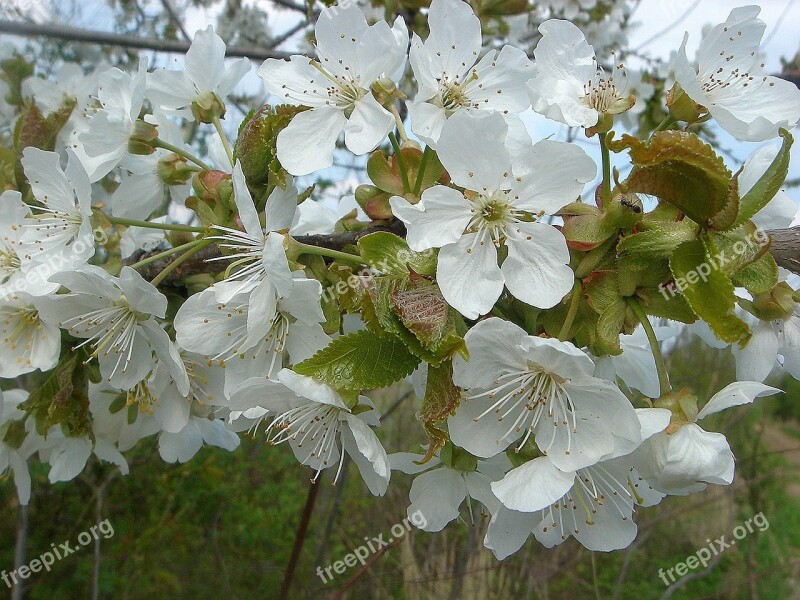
[148,291]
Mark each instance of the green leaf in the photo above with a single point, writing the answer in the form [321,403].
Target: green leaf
[708,290]
[390,254]
[381,316]
[603,296]
[645,247]
[758,277]
[441,399]
[585,232]
[682,169]
[256,146]
[768,184]
[661,303]
[63,398]
[360,360]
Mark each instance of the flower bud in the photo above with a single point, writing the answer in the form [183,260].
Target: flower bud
[174,170]
[683,108]
[778,303]
[207,107]
[682,405]
[142,139]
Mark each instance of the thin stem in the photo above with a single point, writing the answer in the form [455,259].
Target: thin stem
[226,144]
[606,156]
[165,254]
[152,225]
[666,122]
[573,310]
[398,119]
[426,156]
[159,143]
[179,261]
[661,367]
[335,254]
[401,162]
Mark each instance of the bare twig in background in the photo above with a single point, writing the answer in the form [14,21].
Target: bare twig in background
[19,548]
[349,583]
[300,538]
[74,34]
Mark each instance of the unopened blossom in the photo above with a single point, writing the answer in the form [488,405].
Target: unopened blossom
[519,387]
[27,342]
[337,87]
[684,458]
[594,504]
[452,76]
[116,318]
[315,421]
[730,82]
[202,87]
[568,85]
[501,204]
[61,223]
[258,252]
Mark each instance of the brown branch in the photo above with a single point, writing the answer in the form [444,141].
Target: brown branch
[785,248]
[74,34]
[198,264]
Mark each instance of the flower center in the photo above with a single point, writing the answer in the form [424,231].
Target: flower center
[594,487]
[453,94]
[20,327]
[605,93]
[527,399]
[492,215]
[10,262]
[344,92]
[141,396]
[110,330]
[315,425]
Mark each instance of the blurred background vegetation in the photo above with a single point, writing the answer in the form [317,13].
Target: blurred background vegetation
[223,525]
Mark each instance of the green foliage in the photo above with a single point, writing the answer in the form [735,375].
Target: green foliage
[257,151]
[360,360]
[708,290]
[63,398]
[441,400]
[679,168]
[768,184]
[390,254]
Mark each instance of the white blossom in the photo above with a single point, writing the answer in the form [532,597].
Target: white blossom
[729,80]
